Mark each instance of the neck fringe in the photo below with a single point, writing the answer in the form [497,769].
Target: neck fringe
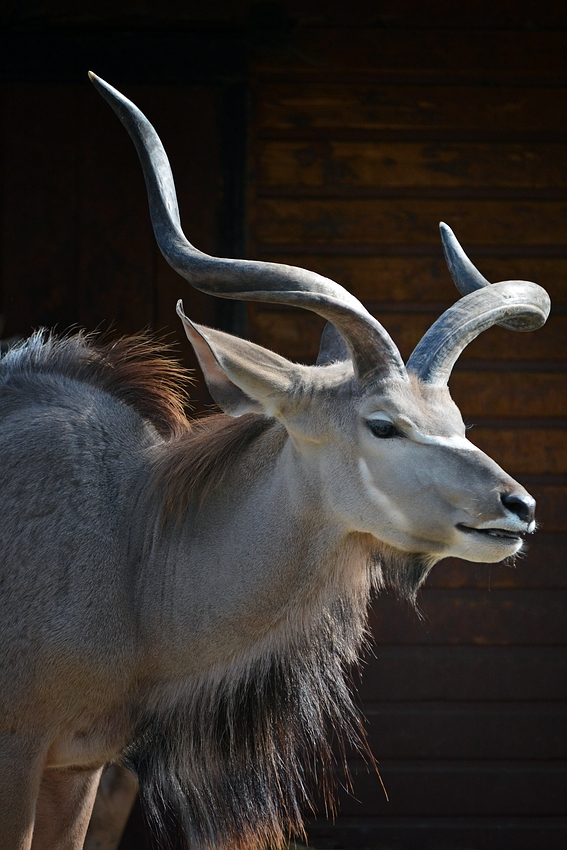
[234,764]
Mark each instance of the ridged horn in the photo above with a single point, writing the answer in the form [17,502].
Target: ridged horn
[373,351]
[514,304]
[466,276]
[434,357]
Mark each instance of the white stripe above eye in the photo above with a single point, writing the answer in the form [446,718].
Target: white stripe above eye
[454,441]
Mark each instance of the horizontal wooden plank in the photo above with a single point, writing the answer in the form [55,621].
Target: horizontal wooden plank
[517,394]
[372,221]
[304,106]
[458,788]
[551,507]
[332,167]
[457,673]
[467,730]
[425,279]
[296,334]
[431,49]
[473,617]
[437,833]
[541,566]
[530,450]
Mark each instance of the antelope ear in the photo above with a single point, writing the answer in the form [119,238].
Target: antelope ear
[242,377]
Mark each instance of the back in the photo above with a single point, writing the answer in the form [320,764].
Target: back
[74,459]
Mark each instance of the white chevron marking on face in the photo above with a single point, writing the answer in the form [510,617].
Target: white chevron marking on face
[455,441]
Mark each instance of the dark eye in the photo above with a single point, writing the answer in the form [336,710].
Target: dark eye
[383,429]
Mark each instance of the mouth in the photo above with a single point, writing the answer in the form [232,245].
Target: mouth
[494,533]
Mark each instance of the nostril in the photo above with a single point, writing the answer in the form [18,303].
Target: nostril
[522,506]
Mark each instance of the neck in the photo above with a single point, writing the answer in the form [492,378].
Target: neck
[253,606]
[248,568]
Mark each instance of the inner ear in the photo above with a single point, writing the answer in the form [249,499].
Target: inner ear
[244,377]
[229,397]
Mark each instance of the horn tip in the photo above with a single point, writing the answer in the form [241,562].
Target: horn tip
[96,80]
[103,87]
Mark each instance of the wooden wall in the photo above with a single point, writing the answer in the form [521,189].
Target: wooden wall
[361,140]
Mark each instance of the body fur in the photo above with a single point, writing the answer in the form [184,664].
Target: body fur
[223,743]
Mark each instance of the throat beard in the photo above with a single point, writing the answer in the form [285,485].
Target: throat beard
[402,572]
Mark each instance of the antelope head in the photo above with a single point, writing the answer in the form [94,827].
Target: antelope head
[380,442]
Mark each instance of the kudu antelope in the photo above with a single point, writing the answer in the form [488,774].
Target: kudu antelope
[185,597]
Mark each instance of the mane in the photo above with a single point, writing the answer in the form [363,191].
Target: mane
[197,461]
[137,370]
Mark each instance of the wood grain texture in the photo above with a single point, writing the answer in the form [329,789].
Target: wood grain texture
[425,280]
[371,221]
[329,167]
[456,673]
[525,450]
[323,52]
[463,617]
[296,334]
[300,107]
[516,394]
[468,730]
[552,506]
[360,144]
[541,566]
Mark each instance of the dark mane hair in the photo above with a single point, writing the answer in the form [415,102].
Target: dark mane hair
[233,765]
[138,370]
[196,462]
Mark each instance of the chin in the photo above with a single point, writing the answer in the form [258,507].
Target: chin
[487,551]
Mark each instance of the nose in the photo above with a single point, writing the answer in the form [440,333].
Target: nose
[521,505]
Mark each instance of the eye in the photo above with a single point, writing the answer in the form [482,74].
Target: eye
[383,428]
